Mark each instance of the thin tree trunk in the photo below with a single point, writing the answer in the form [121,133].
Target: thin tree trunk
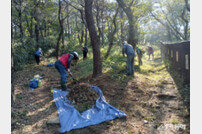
[86,36]
[187,5]
[35,14]
[129,13]
[61,30]
[12,68]
[29,26]
[20,25]
[37,33]
[63,40]
[186,24]
[82,34]
[97,62]
[111,39]
[122,31]
[45,29]
[97,19]
[102,29]
[31,29]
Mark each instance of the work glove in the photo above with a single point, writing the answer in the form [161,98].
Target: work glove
[69,72]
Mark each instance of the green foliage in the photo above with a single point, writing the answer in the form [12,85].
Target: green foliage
[44,14]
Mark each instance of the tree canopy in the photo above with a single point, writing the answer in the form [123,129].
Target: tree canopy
[58,25]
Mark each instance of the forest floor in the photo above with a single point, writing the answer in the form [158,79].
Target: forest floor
[152,100]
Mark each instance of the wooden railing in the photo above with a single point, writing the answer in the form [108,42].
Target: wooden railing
[178,54]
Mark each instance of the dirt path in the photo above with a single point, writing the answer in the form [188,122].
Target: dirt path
[150,99]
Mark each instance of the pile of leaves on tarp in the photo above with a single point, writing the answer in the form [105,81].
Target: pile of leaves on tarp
[82,96]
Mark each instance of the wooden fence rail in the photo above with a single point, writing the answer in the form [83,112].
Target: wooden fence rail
[179,56]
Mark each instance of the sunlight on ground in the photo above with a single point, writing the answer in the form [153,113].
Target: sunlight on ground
[136,96]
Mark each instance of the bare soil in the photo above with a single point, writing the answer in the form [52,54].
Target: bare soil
[150,99]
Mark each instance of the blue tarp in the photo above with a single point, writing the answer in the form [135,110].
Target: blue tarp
[70,118]
[50,64]
[33,83]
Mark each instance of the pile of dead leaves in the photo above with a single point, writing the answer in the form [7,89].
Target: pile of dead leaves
[82,96]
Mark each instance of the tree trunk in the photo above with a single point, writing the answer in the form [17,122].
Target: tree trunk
[63,40]
[129,13]
[97,62]
[186,23]
[29,26]
[98,22]
[20,26]
[187,5]
[12,68]
[31,29]
[41,32]
[68,28]
[61,31]
[45,29]
[122,31]
[102,29]
[82,34]
[111,37]
[86,36]
[35,14]
[37,33]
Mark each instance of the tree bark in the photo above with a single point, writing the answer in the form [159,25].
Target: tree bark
[12,67]
[131,29]
[111,37]
[86,36]
[102,29]
[61,31]
[122,31]
[97,62]
[97,20]
[187,5]
[20,25]
[186,23]
[37,33]
[35,14]
[82,34]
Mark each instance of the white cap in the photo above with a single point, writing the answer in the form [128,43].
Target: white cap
[77,55]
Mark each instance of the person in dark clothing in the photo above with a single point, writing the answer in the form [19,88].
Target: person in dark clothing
[37,55]
[139,54]
[63,66]
[150,52]
[128,49]
[85,51]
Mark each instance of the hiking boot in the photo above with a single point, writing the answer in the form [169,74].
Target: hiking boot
[63,86]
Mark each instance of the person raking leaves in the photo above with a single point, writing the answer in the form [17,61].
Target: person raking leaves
[139,54]
[63,66]
[37,55]
[128,49]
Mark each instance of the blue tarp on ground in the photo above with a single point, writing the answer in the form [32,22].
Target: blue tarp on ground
[33,83]
[70,118]
[50,64]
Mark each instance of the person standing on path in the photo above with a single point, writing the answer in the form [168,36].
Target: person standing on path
[150,51]
[128,49]
[85,51]
[37,55]
[139,54]
[63,65]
